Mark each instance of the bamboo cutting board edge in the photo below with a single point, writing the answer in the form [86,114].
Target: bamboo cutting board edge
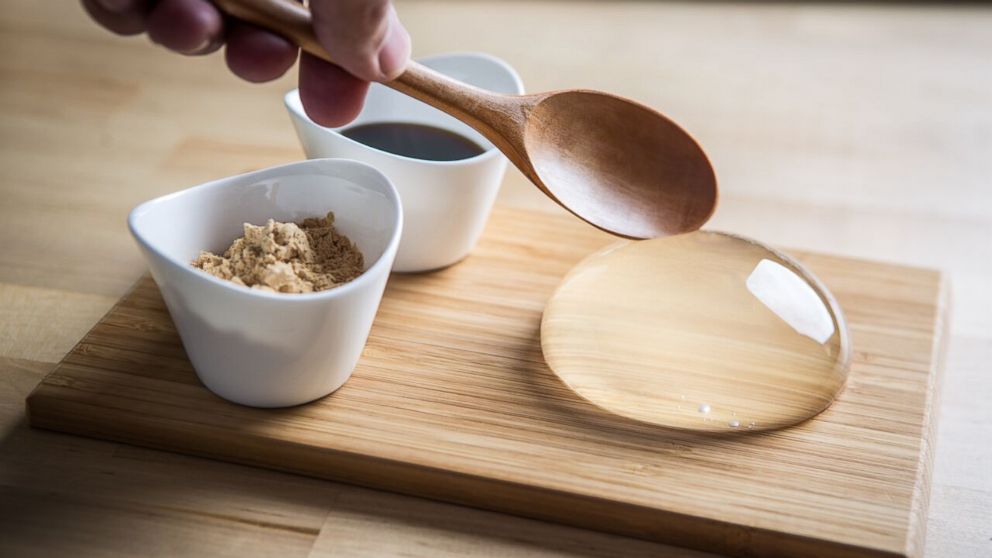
[920,506]
[584,511]
[48,408]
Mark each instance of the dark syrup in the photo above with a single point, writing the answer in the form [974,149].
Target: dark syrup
[417,141]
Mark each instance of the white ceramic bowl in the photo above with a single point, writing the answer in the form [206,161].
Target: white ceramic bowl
[259,348]
[446,203]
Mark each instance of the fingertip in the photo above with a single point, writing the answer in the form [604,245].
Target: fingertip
[395,52]
[116,6]
[256,55]
[186,26]
[128,22]
[330,95]
[355,32]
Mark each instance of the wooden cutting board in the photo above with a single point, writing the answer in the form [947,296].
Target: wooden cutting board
[452,400]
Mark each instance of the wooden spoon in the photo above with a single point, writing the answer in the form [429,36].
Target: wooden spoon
[619,165]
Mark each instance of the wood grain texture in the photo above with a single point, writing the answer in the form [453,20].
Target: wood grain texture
[452,401]
[43,324]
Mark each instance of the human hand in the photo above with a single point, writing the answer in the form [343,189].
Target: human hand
[365,37]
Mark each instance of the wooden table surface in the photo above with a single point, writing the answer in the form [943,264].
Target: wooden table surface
[857,130]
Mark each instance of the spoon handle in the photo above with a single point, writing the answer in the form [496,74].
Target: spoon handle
[483,110]
[289,19]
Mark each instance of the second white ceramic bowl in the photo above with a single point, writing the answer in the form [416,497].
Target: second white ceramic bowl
[270,349]
[446,203]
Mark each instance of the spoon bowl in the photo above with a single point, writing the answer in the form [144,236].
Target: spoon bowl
[614,163]
[619,165]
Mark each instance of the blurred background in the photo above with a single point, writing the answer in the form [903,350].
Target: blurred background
[849,128]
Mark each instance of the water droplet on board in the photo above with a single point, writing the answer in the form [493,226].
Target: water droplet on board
[704,316]
[735,423]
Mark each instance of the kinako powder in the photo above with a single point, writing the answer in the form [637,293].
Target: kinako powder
[279,257]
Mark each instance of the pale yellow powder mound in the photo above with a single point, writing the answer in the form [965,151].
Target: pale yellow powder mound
[287,257]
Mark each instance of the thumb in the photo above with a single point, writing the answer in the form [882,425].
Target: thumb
[364,37]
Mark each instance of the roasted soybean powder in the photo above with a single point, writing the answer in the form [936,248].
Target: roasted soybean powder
[287,257]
